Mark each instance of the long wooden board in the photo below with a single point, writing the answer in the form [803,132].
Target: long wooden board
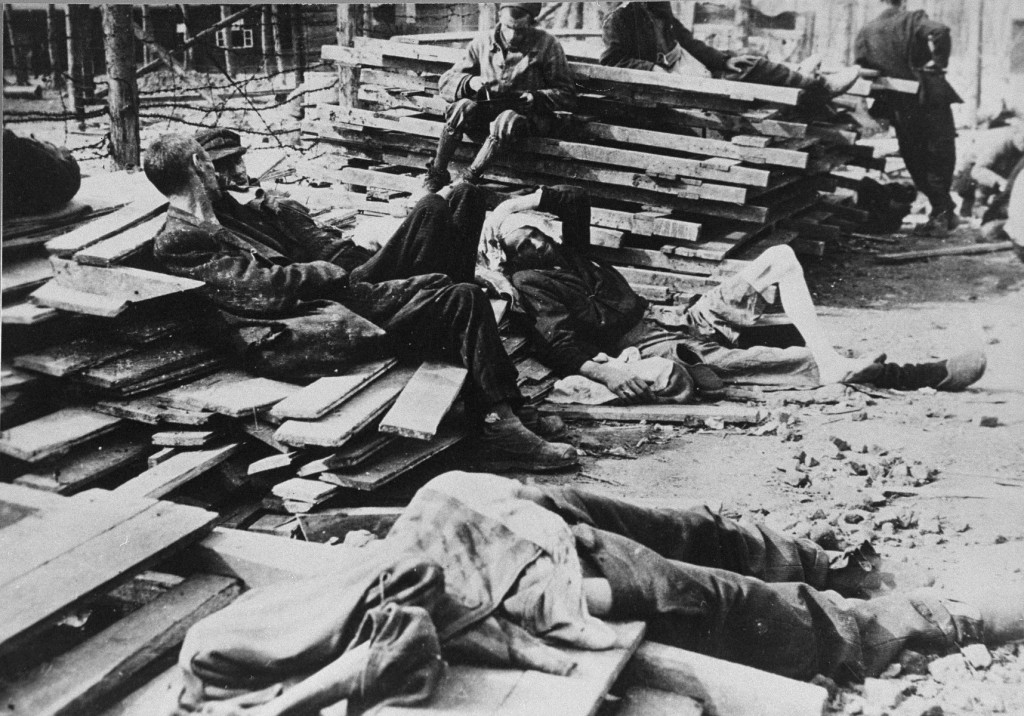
[122,245]
[242,397]
[685,414]
[144,207]
[156,360]
[93,673]
[320,397]
[337,427]
[66,358]
[55,434]
[88,464]
[126,537]
[425,400]
[175,472]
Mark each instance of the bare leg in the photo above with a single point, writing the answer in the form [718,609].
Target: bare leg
[779,265]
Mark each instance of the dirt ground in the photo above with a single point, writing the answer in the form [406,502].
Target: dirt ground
[935,480]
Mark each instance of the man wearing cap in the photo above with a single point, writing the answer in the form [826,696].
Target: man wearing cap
[287,222]
[300,319]
[509,84]
[648,36]
[585,312]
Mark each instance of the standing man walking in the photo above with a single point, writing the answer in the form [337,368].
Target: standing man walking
[911,46]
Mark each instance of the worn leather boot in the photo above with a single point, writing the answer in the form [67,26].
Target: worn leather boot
[939,225]
[488,150]
[549,427]
[437,169]
[507,445]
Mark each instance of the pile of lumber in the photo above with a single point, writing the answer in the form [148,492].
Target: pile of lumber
[685,173]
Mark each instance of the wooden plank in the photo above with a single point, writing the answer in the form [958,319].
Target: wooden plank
[130,284]
[337,427]
[401,456]
[723,687]
[122,245]
[180,374]
[355,453]
[21,276]
[674,281]
[27,314]
[158,696]
[425,400]
[322,526]
[147,204]
[157,360]
[685,414]
[320,397]
[125,548]
[55,434]
[242,397]
[82,467]
[644,701]
[65,358]
[96,672]
[52,295]
[175,472]
[904,256]
[147,410]
[645,258]
[185,438]
[487,691]
[182,396]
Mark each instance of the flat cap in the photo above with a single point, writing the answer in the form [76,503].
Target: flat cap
[220,142]
[532,8]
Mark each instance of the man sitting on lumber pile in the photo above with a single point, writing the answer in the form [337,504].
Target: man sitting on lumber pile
[585,313]
[647,36]
[512,79]
[303,318]
[479,566]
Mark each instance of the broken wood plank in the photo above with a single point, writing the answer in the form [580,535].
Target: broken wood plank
[185,438]
[22,275]
[66,358]
[973,249]
[54,296]
[355,453]
[723,687]
[271,463]
[88,464]
[141,365]
[128,542]
[236,398]
[402,456]
[175,472]
[337,427]
[148,202]
[160,456]
[425,400]
[97,671]
[110,251]
[320,397]
[182,396]
[685,414]
[147,410]
[55,434]
[202,366]
[27,314]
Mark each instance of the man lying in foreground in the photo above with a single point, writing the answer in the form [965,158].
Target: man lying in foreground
[479,568]
[300,317]
[584,312]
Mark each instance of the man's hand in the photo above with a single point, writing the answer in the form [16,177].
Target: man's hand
[475,83]
[528,100]
[740,64]
[621,382]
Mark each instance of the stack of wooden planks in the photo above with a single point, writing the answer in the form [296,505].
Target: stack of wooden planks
[709,169]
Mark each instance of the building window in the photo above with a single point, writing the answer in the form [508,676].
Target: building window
[241,37]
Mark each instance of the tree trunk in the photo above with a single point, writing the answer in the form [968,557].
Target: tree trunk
[17,51]
[299,44]
[743,22]
[73,26]
[266,42]
[186,59]
[229,65]
[348,77]
[88,55]
[275,26]
[123,91]
[53,43]
[979,53]
[147,30]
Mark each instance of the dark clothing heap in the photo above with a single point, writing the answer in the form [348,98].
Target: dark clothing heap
[298,320]
[638,35]
[899,44]
[39,177]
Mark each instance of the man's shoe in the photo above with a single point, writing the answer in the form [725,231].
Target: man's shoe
[963,370]
[436,179]
[840,82]
[507,445]
[939,225]
[810,65]
[549,427]
[858,573]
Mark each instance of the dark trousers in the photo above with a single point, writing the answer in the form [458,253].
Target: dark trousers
[766,72]
[927,141]
[742,593]
[417,289]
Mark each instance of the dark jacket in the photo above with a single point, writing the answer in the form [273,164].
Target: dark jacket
[536,64]
[630,40]
[285,319]
[583,307]
[39,177]
[896,44]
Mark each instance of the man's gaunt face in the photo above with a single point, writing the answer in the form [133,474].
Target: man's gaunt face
[207,174]
[527,248]
[232,173]
[514,22]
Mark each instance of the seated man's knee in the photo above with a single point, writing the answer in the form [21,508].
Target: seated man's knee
[509,125]
[782,258]
[459,113]
[464,191]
